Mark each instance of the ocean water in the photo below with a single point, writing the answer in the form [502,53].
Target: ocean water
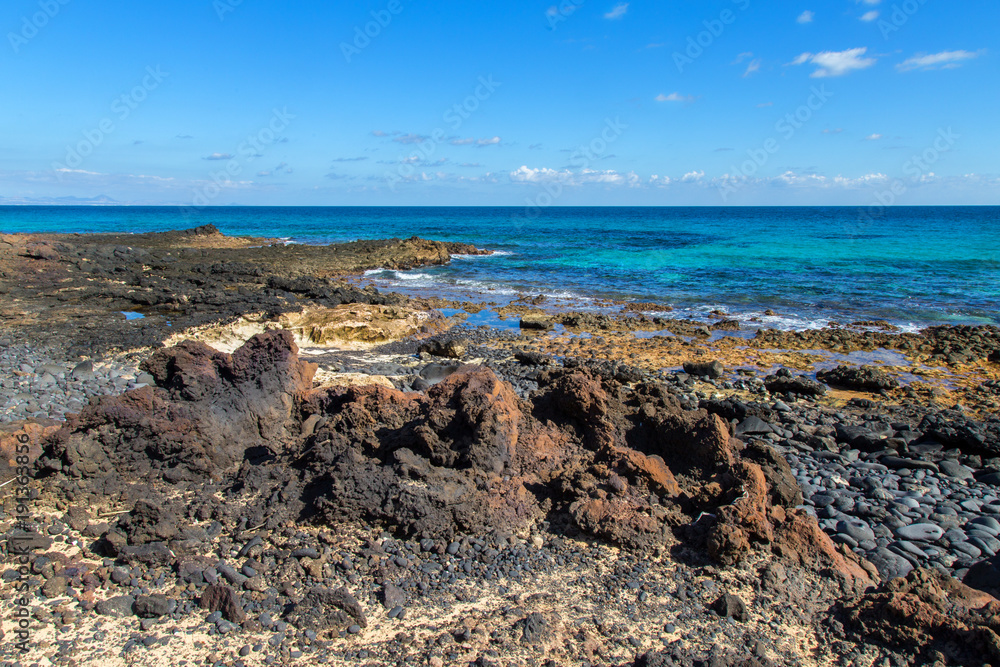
[911,266]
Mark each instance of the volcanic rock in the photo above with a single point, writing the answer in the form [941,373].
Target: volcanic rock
[326,610]
[783,382]
[930,610]
[864,378]
[207,411]
[709,369]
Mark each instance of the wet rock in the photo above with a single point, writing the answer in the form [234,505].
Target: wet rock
[863,378]
[784,382]
[709,369]
[537,320]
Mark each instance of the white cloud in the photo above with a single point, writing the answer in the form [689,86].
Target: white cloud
[567,177]
[675,97]
[64,170]
[833,131]
[868,17]
[693,177]
[488,142]
[873,137]
[219,156]
[743,56]
[619,11]
[836,63]
[943,60]
[754,66]
[412,139]
[806,17]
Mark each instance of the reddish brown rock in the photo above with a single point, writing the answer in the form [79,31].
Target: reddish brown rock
[222,598]
[207,411]
[800,540]
[23,439]
[622,462]
[929,611]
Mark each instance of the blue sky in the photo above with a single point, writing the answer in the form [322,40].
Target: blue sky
[585,102]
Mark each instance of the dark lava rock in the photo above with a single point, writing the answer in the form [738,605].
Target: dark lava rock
[392,596]
[784,488]
[954,429]
[532,358]
[710,369]
[222,598]
[865,378]
[930,611]
[153,606]
[209,408]
[985,575]
[731,606]
[152,554]
[752,426]
[149,521]
[784,382]
[868,438]
[537,320]
[534,629]
[118,607]
[324,610]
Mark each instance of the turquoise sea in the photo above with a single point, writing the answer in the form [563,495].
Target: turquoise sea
[912,266]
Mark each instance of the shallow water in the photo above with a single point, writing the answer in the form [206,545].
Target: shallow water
[912,266]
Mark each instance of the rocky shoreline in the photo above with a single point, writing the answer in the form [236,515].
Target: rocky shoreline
[350,477]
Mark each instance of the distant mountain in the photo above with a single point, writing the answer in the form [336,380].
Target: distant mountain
[100,200]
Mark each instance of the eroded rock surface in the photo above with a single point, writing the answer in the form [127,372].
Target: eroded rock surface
[584,453]
[931,611]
